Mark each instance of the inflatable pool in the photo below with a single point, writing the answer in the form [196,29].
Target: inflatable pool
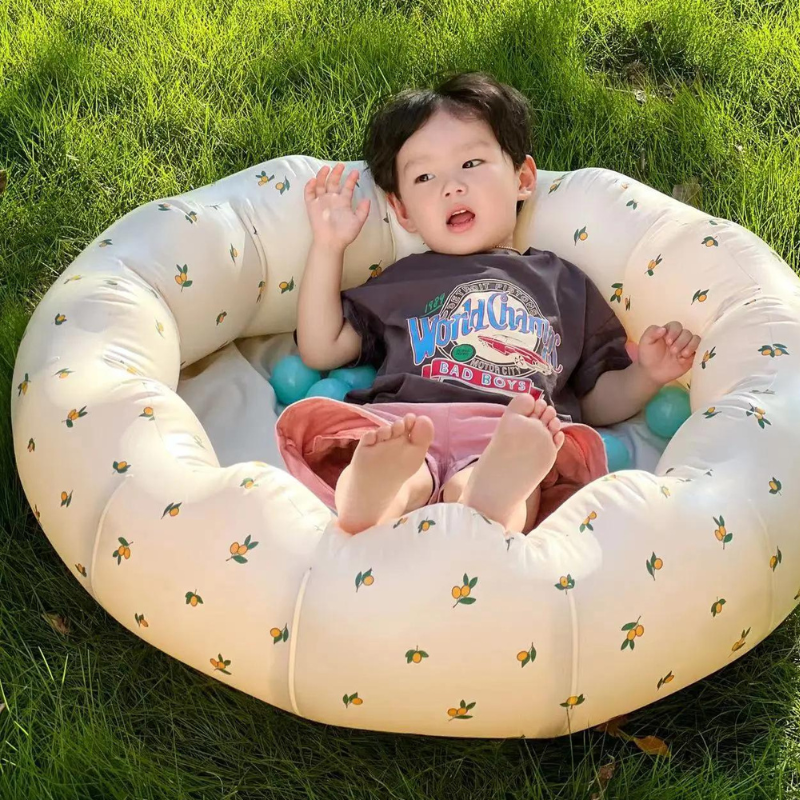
[640,584]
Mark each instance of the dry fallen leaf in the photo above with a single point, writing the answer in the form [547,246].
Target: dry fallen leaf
[604,775]
[651,745]
[57,622]
[612,726]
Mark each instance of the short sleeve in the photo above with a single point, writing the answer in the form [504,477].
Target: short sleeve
[603,344]
[368,326]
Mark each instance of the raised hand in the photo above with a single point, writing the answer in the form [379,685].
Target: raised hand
[334,223]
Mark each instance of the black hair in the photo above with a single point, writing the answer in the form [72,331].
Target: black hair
[466,95]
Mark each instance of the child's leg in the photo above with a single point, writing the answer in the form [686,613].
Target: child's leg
[387,476]
[517,459]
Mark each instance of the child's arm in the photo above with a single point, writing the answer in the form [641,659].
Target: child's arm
[324,338]
[665,353]
[618,395]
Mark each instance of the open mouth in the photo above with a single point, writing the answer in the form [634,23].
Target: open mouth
[461,221]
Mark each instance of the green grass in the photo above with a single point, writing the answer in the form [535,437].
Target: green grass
[107,104]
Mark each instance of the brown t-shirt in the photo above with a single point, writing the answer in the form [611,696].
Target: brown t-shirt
[443,328]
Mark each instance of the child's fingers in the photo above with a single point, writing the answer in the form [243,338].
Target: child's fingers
[309,192]
[652,334]
[691,348]
[334,177]
[673,330]
[683,339]
[349,184]
[319,181]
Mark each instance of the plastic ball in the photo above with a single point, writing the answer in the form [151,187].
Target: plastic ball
[329,387]
[667,411]
[616,452]
[291,379]
[355,377]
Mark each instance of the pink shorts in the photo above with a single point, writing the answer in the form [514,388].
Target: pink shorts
[317,437]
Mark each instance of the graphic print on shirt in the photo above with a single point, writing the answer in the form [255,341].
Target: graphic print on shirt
[489,334]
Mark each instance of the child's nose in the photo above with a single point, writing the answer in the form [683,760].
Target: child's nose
[454,187]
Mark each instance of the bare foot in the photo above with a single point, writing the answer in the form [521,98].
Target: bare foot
[516,460]
[383,461]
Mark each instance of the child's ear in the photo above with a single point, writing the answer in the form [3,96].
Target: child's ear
[400,213]
[527,178]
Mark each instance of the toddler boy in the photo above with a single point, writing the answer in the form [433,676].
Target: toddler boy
[487,357]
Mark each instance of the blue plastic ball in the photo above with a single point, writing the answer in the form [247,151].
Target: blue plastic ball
[616,452]
[291,379]
[355,377]
[667,411]
[329,387]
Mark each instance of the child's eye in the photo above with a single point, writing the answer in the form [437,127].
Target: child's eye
[417,179]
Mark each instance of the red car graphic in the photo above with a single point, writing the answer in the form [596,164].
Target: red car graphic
[506,345]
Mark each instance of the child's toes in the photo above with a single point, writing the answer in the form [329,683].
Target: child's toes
[421,433]
[369,437]
[539,408]
[558,439]
[554,425]
[522,404]
[548,415]
[398,428]
[383,433]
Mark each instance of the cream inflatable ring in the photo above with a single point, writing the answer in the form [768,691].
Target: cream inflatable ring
[640,584]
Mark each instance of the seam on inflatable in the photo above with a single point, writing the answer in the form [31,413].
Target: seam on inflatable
[765,532]
[98,534]
[628,271]
[243,218]
[573,690]
[293,643]
[160,297]
[247,224]
[126,264]
[768,552]
[734,256]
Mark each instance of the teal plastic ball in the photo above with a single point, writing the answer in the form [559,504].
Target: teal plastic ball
[291,379]
[616,452]
[329,387]
[667,411]
[355,377]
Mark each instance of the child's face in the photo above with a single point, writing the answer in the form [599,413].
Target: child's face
[459,163]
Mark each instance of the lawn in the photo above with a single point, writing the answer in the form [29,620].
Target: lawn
[105,105]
